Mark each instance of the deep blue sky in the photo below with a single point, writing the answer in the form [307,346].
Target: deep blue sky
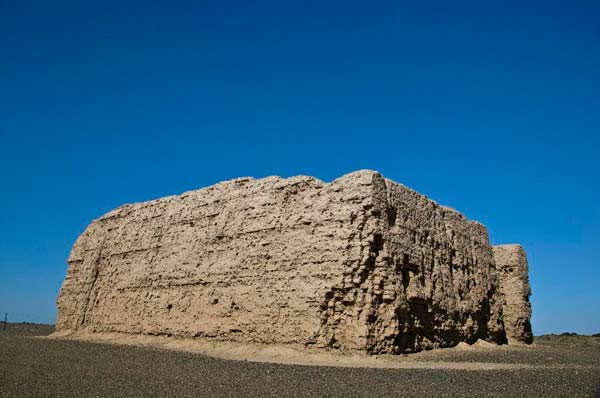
[492,108]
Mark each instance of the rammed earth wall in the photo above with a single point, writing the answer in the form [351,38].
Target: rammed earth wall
[362,263]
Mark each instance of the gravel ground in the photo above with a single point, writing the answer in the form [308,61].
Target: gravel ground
[36,367]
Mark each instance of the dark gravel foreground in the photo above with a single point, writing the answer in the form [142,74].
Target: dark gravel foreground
[36,367]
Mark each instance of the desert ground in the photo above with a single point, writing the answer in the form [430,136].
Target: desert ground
[35,365]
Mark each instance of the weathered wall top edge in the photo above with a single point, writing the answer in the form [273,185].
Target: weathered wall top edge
[449,210]
[509,246]
[240,180]
[360,177]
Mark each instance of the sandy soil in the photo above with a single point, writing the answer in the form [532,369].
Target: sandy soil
[300,355]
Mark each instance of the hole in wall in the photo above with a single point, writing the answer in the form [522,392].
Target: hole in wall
[392,213]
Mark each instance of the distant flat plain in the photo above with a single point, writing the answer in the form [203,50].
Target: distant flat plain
[34,366]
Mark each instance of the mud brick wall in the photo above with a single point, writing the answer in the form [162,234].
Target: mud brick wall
[361,263]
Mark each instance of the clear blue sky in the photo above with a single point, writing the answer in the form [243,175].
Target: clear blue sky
[492,108]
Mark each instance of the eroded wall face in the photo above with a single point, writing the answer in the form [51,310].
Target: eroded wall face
[428,281]
[511,261]
[361,263]
[248,260]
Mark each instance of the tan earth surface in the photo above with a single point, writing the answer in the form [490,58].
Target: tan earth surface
[361,264]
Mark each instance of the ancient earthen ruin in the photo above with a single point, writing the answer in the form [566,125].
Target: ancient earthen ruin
[361,263]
